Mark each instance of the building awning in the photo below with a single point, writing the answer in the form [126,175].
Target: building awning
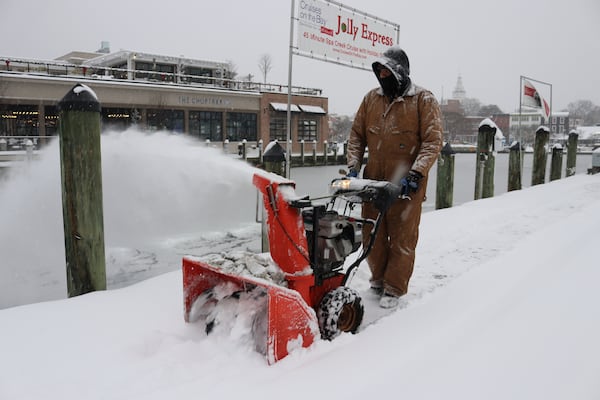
[312,109]
[283,107]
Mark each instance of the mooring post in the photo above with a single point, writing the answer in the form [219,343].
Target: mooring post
[274,158]
[81,176]
[445,178]
[515,162]
[484,175]
[335,152]
[556,162]
[29,150]
[345,155]
[260,151]
[244,149]
[540,156]
[273,161]
[572,154]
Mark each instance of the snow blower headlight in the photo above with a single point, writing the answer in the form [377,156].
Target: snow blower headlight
[339,186]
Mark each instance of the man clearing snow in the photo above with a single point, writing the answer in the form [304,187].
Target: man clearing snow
[400,123]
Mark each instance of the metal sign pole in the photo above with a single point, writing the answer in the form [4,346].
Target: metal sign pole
[314,40]
[288,145]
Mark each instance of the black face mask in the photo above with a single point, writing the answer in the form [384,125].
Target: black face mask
[390,86]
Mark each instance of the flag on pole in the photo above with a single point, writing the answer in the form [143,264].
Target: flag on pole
[532,98]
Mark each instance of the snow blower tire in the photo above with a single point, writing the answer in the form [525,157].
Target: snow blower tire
[341,310]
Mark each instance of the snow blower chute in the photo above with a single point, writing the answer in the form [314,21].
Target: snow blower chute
[309,241]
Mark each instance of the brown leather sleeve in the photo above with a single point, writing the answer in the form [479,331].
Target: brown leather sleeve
[431,131]
[357,141]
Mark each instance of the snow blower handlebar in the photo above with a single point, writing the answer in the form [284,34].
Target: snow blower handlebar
[381,193]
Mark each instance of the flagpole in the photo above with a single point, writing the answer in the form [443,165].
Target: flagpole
[519,137]
[550,116]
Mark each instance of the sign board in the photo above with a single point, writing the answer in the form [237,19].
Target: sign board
[336,33]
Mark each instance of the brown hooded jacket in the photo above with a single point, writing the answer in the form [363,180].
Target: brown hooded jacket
[400,135]
[403,135]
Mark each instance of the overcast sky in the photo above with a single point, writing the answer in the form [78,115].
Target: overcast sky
[489,43]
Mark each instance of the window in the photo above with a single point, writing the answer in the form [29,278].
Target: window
[278,129]
[158,72]
[307,130]
[207,125]
[196,74]
[119,71]
[241,126]
[19,120]
[170,120]
[51,120]
[117,119]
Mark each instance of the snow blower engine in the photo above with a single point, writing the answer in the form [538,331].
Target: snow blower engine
[309,242]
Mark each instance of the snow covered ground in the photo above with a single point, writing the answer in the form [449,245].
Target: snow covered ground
[504,302]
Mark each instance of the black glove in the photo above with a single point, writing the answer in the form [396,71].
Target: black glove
[410,183]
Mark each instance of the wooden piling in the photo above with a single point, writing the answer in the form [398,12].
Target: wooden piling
[540,156]
[556,163]
[244,149]
[81,176]
[484,175]
[572,154]
[335,152]
[515,163]
[445,178]
[273,161]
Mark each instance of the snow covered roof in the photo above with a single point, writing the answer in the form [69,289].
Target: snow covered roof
[111,59]
[283,107]
[297,108]
[587,132]
[312,109]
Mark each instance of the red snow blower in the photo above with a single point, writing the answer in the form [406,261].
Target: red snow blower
[309,241]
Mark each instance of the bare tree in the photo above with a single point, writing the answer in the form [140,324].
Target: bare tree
[265,64]
[340,126]
[471,106]
[231,72]
[586,110]
[489,110]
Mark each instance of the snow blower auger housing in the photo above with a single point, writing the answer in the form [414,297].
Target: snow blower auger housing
[309,241]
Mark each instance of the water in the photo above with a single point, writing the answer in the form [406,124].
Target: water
[164,196]
[314,180]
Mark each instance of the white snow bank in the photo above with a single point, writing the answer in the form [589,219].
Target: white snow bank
[503,305]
